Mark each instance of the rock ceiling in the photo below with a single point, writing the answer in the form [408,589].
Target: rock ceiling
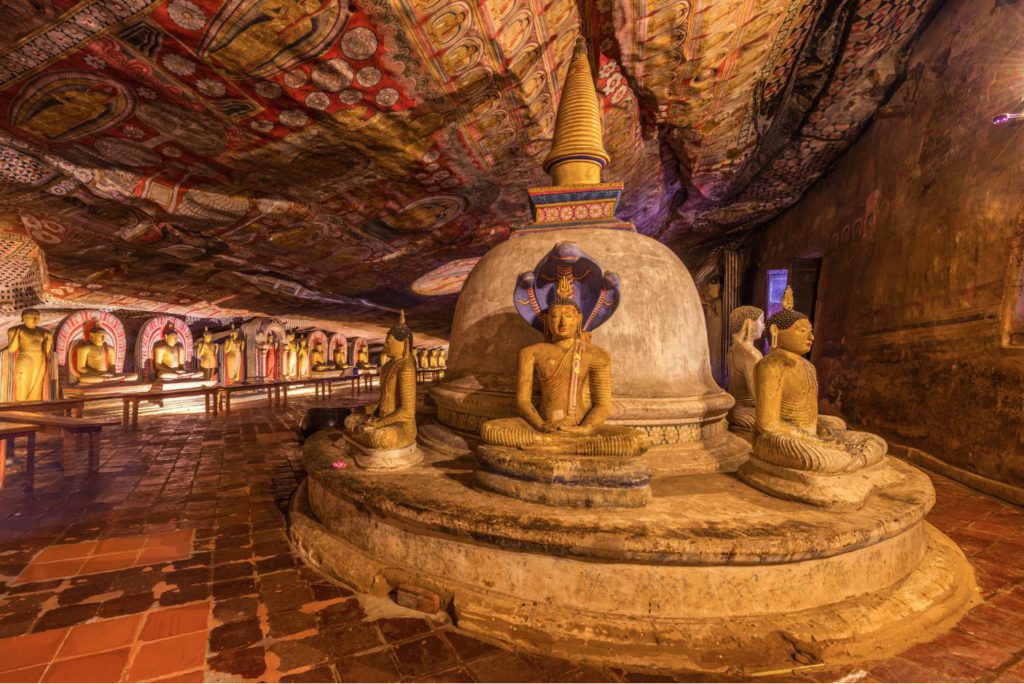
[322,156]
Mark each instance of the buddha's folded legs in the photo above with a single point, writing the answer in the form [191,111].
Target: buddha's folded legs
[604,441]
[387,437]
[845,452]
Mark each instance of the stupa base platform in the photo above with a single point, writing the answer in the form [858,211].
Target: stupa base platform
[711,575]
[563,479]
[383,459]
[834,491]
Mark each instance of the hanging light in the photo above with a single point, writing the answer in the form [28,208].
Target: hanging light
[1006,116]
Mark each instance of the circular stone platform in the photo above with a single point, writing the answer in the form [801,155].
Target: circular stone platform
[711,575]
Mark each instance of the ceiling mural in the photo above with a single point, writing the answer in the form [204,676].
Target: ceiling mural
[345,159]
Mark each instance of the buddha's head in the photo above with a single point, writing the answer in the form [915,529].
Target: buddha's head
[289,337]
[207,335]
[97,336]
[234,333]
[318,347]
[30,317]
[563,320]
[171,338]
[746,323]
[792,331]
[713,289]
[398,342]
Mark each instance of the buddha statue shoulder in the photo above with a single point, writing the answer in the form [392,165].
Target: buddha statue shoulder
[746,324]
[391,422]
[169,358]
[574,376]
[31,347]
[95,361]
[798,454]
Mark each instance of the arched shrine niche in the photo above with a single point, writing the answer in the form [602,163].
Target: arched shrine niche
[152,332]
[72,332]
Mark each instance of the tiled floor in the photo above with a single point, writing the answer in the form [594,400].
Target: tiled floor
[173,565]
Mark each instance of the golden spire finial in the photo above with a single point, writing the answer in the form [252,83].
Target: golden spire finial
[787,299]
[577,152]
[401,317]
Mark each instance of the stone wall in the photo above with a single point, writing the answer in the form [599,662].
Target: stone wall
[916,228]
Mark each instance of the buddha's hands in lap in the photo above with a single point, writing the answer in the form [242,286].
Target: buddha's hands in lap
[581,430]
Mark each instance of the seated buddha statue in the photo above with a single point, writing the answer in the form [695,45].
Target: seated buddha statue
[206,352]
[442,358]
[95,360]
[318,358]
[575,379]
[391,422]
[341,357]
[798,454]
[169,358]
[363,363]
[746,324]
[432,360]
[233,348]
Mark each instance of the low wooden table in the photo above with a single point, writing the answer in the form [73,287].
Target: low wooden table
[10,432]
[130,402]
[222,400]
[67,407]
[70,428]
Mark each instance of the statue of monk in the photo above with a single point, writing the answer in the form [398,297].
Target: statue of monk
[798,454]
[206,352]
[169,358]
[318,358]
[95,360]
[391,422]
[302,356]
[31,347]
[575,380]
[275,28]
[746,324]
[234,347]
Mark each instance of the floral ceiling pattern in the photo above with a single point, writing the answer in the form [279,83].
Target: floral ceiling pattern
[322,156]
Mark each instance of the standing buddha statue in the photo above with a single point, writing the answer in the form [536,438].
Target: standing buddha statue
[798,454]
[303,367]
[31,347]
[289,357]
[206,352]
[746,324]
[234,346]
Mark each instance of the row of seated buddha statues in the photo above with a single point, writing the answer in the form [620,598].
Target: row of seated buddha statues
[435,358]
[797,454]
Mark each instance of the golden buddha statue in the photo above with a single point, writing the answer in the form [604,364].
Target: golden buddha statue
[391,422]
[302,358]
[746,324]
[798,454]
[421,358]
[95,361]
[289,357]
[575,379]
[341,357]
[169,358]
[206,352]
[31,347]
[318,358]
[442,358]
[432,359]
[234,347]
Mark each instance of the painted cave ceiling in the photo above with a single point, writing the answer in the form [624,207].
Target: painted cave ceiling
[345,159]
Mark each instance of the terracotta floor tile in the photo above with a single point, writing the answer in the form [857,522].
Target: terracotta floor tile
[168,656]
[169,622]
[99,667]
[99,636]
[29,674]
[31,649]
[119,544]
[162,554]
[65,552]
[109,562]
[36,572]
[176,538]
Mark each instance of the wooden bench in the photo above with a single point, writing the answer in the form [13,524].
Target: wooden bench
[70,428]
[67,407]
[10,432]
[223,394]
[130,402]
